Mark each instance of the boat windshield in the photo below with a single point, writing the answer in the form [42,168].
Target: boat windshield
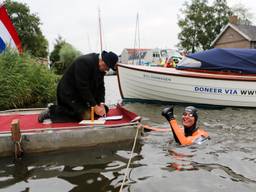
[187,62]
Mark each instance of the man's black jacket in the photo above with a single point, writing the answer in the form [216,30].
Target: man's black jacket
[82,82]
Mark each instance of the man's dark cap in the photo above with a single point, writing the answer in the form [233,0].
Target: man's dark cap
[110,59]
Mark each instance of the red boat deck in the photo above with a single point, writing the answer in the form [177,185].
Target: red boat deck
[29,122]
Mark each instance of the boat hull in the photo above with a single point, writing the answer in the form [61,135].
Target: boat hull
[54,140]
[47,136]
[171,85]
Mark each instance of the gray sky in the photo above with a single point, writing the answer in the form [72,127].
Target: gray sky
[77,22]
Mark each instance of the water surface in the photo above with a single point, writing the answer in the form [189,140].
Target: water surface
[227,162]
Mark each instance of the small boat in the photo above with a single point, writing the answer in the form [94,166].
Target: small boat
[223,77]
[47,136]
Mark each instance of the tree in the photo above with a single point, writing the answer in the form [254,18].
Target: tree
[192,25]
[62,55]
[221,16]
[54,56]
[67,54]
[201,23]
[27,26]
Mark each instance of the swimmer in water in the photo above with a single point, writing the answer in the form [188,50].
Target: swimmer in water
[191,133]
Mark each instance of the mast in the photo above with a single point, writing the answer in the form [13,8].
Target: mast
[137,37]
[101,46]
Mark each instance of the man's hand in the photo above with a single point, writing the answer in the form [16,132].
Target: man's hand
[104,109]
[100,110]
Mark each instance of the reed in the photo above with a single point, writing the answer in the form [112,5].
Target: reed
[24,82]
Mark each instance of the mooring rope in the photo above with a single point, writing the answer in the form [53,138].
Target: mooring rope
[134,144]
[18,150]
[129,162]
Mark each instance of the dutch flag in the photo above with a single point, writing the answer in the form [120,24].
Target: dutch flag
[8,35]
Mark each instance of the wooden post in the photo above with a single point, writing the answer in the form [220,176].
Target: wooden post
[15,129]
[16,138]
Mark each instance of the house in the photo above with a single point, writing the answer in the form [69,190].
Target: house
[235,35]
[148,56]
[131,56]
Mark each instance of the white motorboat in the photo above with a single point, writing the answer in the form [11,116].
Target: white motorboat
[197,84]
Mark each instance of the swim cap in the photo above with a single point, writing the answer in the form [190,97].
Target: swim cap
[192,110]
[190,130]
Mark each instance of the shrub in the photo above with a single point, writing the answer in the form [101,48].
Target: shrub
[24,82]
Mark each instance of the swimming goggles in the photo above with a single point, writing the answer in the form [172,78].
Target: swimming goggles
[187,114]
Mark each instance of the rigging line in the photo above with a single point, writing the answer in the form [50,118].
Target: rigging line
[129,162]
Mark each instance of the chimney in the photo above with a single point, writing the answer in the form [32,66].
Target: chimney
[233,19]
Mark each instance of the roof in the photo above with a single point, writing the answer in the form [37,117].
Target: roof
[247,31]
[226,59]
[132,51]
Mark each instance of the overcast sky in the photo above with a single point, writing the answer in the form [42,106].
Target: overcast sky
[77,22]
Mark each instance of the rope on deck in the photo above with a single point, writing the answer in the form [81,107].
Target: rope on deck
[129,162]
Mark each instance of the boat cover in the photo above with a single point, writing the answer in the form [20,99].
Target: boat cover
[224,59]
[29,122]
